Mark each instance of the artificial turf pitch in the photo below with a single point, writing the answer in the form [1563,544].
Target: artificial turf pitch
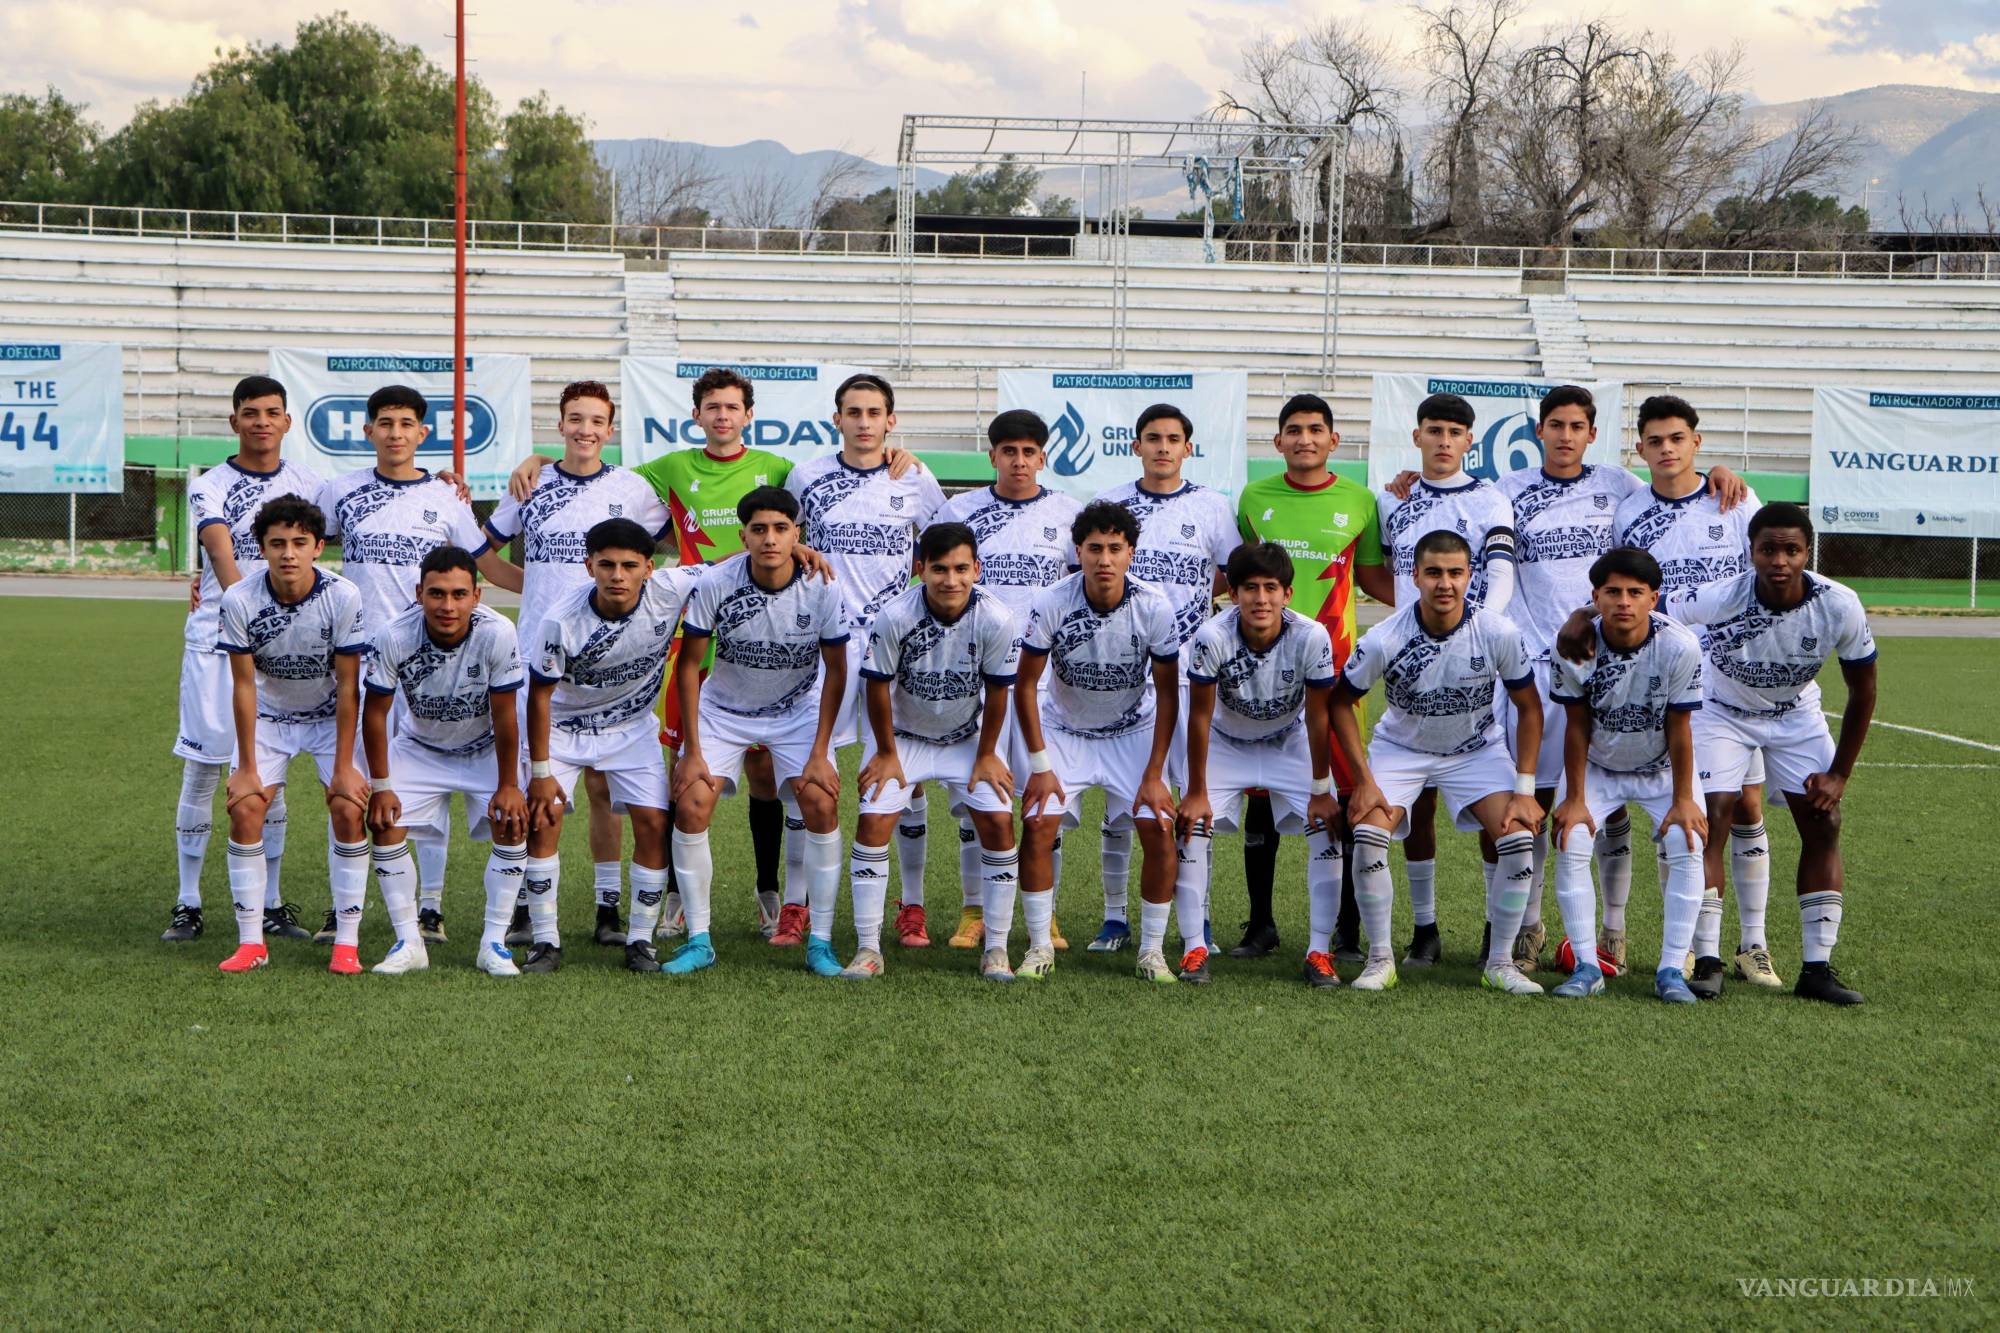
[755,1146]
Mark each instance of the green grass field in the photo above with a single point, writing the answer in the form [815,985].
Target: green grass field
[754,1146]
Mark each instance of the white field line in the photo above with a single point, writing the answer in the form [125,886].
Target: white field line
[1921,731]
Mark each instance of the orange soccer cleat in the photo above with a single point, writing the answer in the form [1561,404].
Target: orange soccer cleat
[247,958]
[346,961]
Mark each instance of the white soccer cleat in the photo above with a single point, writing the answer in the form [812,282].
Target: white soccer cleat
[1037,964]
[1152,966]
[993,966]
[1509,980]
[496,960]
[403,956]
[1380,974]
[1754,966]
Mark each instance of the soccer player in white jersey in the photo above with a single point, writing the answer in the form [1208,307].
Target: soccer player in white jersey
[457,666]
[223,504]
[1186,533]
[1766,635]
[1438,660]
[593,682]
[1255,672]
[295,635]
[777,633]
[865,522]
[570,497]
[1628,738]
[1024,546]
[1107,644]
[940,658]
[387,518]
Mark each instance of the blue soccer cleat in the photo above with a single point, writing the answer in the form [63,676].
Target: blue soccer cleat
[820,959]
[1582,983]
[693,956]
[1111,937]
[1671,985]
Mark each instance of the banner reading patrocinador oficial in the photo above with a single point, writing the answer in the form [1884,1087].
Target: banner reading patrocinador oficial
[1505,414]
[1091,415]
[1919,464]
[62,417]
[792,414]
[328,393]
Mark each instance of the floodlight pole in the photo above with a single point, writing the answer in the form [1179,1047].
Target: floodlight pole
[458,265]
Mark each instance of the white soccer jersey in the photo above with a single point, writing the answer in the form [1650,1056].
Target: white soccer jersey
[1184,538]
[1259,696]
[553,522]
[1561,526]
[1024,545]
[1440,690]
[1631,693]
[939,669]
[1099,680]
[767,644]
[865,523]
[231,495]
[1694,541]
[608,671]
[1764,662]
[293,644]
[446,690]
[386,528]
[1476,511]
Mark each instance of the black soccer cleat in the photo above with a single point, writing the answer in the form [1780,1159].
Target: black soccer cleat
[1347,949]
[1706,983]
[1818,981]
[543,958]
[185,926]
[282,922]
[326,932]
[1260,940]
[519,933]
[611,934]
[1426,949]
[430,926]
[640,957]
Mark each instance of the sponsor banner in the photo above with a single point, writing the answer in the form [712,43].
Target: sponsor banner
[328,392]
[1091,414]
[1505,414]
[1909,463]
[792,415]
[62,417]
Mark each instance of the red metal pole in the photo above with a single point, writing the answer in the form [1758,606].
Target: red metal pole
[458,423]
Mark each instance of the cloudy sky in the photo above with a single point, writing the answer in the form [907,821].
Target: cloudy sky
[832,73]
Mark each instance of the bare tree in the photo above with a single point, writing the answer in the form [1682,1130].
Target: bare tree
[664,184]
[1809,155]
[841,178]
[1676,139]
[761,199]
[1466,61]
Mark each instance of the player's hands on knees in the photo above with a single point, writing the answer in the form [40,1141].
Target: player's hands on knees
[1323,811]
[545,802]
[1153,792]
[1824,791]
[1687,816]
[348,785]
[243,784]
[1576,641]
[813,562]
[1366,800]
[521,481]
[1568,815]
[881,769]
[1041,788]
[992,771]
[1523,812]
[690,769]
[385,811]
[508,813]
[1194,811]
[820,772]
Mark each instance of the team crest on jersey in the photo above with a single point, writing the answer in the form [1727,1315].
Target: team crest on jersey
[473,670]
[805,619]
[1461,527]
[762,479]
[1478,662]
[1601,501]
[1048,534]
[1652,682]
[895,502]
[1187,532]
[1809,643]
[1339,520]
[430,516]
[326,632]
[1715,532]
[1287,675]
[615,511]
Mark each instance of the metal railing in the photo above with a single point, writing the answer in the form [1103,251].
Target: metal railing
[658,242]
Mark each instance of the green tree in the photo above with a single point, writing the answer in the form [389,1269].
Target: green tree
[46,146]
[549,169]
[228,150]
[987,194]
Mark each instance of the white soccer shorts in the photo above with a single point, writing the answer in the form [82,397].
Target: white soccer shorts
[923,762]
[424,781]
[208,726]
[631,760]
[1793,747]
[726,737]
[1461,780]
[1114,764]
[278,743]
[1605,793]
[1281,766]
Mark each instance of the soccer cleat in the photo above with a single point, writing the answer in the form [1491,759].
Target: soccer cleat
[1380,974]
[1039,964]
[867,966]
[1194,966]
[1347,949]
[640,957]
[520,932]
[403,958]
[346,961]
[430,926]
[1818,981]
[993,966]
[281,921]
[1508,980]
[249,957]
[1706,983]
[1319,973]
[1056,940]
[769,905]
[694,956]
[496,960]
[1528,946]
[1152,966]
[793,922]
[609,932]
[186,926]
[1111,937]
[1611,945]
[1754,966]
[1425,947]
[326,932]
[820,958]
[910,927]
[1670,984]
[1260,940]
[1581,984]
[1609,966]
[971,932]
[543,958]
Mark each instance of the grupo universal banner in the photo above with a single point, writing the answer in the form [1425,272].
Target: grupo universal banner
[62,417]
[1505,414]
[791,413]
[1091,415]
[1908,463]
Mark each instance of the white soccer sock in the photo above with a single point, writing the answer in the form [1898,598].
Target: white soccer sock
[1575,897]
[1116,857]
[971,876]
[610,882]
[822,874]
[246,890]
[1191,870]
[649,896]
[350,890]
[396,877]
[694,871]
[1507,893]
[1750,871]
[1423,877]
[1819,924]
[913,851]
[544,884]
[1323,858]
[1683,898]
[194,819]
[796,884]
[1374,891]
[504,870]
[1000,876]
[276,820]
[1613,850]
[1532,914]
[868,884]
[430,850]
[1036,909]
[1153,926]
[1708,925]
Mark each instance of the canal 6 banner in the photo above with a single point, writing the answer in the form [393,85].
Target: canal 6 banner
[792,414]
[1091,415]
[1910,463]
[62,417]
[1505,414]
